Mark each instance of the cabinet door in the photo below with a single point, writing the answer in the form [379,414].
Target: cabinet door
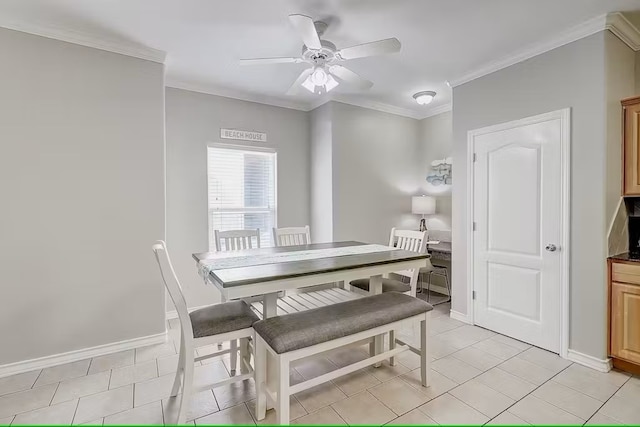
[625,321]
[631,149]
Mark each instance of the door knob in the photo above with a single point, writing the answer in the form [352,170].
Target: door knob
[551,247]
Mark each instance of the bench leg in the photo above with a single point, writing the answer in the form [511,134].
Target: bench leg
[260,363]
[234,357]
[425,360]
[392,345]
[282,410]
[245,355]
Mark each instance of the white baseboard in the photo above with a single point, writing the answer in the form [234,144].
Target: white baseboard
[602,365]
[85,353]
[456,315]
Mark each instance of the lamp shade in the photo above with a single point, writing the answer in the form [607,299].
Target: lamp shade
[423,205]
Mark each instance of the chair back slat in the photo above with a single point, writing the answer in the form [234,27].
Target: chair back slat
[291,236]
[172,284]
[409,240]
[236,240]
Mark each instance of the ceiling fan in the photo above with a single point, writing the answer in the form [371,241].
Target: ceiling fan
[325,58]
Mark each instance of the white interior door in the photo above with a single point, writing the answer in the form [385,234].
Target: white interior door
[518,219]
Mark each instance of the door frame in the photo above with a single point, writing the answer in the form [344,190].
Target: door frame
[565,200]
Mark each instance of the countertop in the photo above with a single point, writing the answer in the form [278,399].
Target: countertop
[624,257]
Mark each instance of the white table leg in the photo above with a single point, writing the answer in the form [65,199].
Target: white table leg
[375,288]
[269,305]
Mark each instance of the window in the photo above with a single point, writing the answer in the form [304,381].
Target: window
[242,191]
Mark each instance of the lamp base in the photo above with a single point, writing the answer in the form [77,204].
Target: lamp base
[423,225]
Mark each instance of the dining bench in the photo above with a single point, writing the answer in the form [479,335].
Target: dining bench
[282,340]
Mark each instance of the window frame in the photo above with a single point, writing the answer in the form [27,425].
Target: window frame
[250,148]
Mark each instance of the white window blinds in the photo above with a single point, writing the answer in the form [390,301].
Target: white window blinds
[242,191]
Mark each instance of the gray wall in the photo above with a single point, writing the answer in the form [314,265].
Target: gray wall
[570,76]
[321,174]
[193,120]
[375,173]
[81,178]
[436,142]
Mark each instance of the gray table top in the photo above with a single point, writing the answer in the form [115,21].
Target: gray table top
[284,270]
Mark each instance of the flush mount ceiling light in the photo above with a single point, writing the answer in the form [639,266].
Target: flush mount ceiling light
[424,97]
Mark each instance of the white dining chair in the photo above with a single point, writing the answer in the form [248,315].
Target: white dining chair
[408,240]
[235,240]
[230,321]
[292,236]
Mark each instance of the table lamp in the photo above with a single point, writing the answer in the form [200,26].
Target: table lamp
[423,205]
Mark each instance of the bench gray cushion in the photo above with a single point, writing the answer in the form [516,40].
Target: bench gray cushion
[299,330]
[388,285]
[222,318]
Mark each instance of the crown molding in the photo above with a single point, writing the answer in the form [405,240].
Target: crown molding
[235,94]
[377,106]
[577,32]
[624,30]
[84,39]
[438,110]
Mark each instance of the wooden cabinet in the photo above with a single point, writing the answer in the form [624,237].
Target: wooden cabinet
[631,146]
[624,311]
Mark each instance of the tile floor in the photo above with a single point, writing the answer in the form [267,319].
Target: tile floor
[478,377]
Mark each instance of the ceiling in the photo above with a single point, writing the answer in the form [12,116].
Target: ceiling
[442,40]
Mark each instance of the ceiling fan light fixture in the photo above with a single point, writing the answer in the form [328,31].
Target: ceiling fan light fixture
[331,83]
[424,97]
[308,85]
[319,76]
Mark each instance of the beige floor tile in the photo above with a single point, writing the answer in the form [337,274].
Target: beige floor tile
[506,418]
[356,382]
[347,356]
[97,422]
[133,374]
[168,364]
[600,419]
[363,408]
[443,324]
[147,414]
[6,421]
[415,417]
[568,399]
[409,360]
[465,336]
[537,411]
[82,386]
[61,413]
[496,348]
[63,372]
[439,383]
[152,390]
[320,396]
[439,348]
[625,410]
[144,354]
[238,415]
[398,396]
[295,411]
[295,377]
[528,371]
[506,383]
[546,359]
[235,393]
[18,382]
[385,372]
[111,361]
[477,358]
[206,375]
[200,404]
[511,342]
[446,409]
[28,400]
[596,384]
[482,397]
[324,416]
[104,404]
[630,389]
[311,368]
[455,369]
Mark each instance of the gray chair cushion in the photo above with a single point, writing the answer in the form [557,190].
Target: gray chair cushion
[222,318]
[388,285]
[299,330]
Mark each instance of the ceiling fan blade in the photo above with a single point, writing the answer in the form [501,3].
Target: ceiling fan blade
[262,61]
[350,77]
[380,47]
[298,83]
[307,30]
